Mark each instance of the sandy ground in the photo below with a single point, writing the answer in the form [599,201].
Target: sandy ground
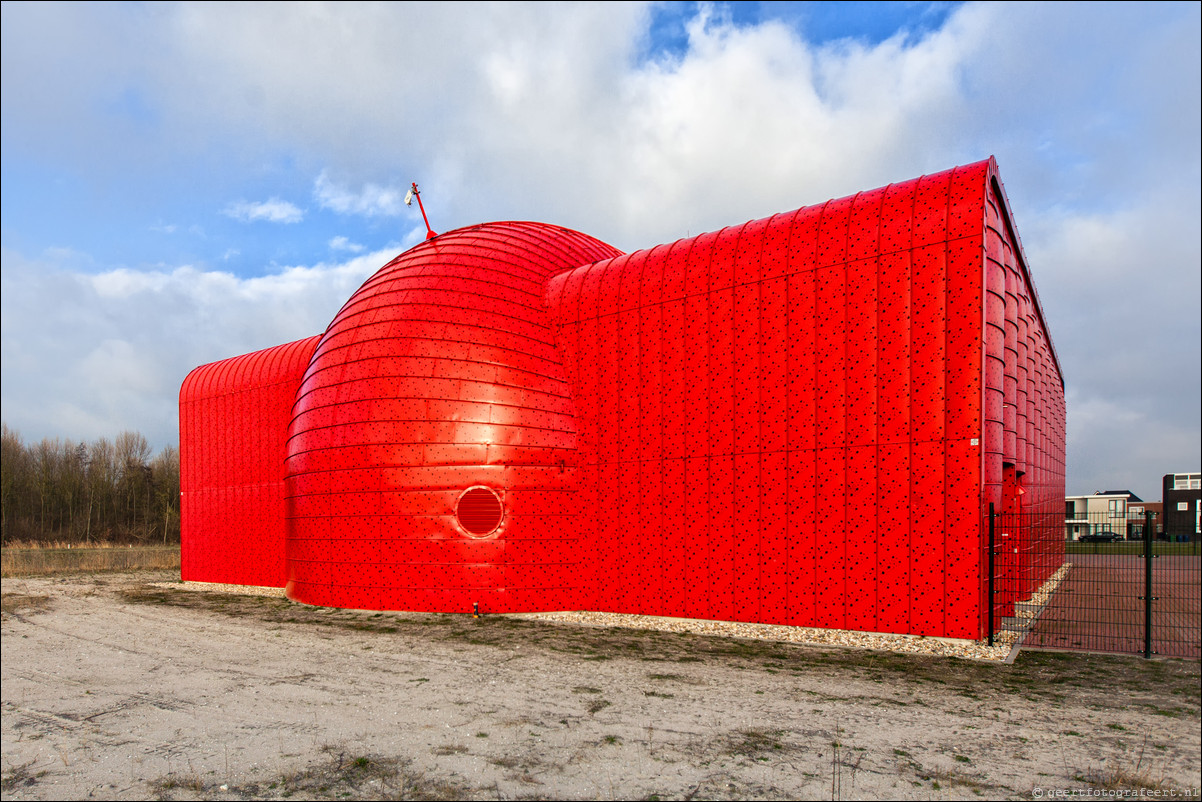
[116,687]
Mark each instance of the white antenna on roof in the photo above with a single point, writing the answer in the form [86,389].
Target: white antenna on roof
[414,192]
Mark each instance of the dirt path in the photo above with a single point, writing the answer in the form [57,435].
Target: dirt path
[115,687]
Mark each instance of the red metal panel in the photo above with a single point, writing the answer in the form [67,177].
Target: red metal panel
[964,338]
[773,345]
[962,539]
[966,196]
[897,217]
[893,348]
[1022,453]
[864,226]
[802,329]
[927,527]
[699,530]
[928,334]
[752,239]
[774,568]
[650,383]
[624,538]
[677,548]
[803,537]
[831,542]
[626,387]
[931,200]
[675,269]
[1010,375]
[992,442]
[648,538]
[746,539]
[862,351]
[744,361]
[775,255]
[695,409]
[722,543]
[860,524]
[893,537]
[677,379]
[587,570]
[725,427]
[832,232]
[830,381]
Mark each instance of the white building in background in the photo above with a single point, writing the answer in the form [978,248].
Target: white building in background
[1095,514]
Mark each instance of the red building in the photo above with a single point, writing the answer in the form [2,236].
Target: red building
[797,420]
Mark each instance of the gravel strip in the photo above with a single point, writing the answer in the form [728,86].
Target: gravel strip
[946,647]
[1004,641]
[216,587]
[880,641]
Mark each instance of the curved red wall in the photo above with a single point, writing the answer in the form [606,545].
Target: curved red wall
[232,486]
[440,374]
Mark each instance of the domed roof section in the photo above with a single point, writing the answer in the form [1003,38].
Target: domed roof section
[439,375]
[458,318]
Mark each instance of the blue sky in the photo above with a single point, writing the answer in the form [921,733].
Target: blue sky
[187,182]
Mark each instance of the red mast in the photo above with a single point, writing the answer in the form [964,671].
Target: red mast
[415,193]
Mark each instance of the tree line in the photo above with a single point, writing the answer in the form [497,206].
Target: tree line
[98,492]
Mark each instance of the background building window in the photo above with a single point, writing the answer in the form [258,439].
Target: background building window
[1187,481]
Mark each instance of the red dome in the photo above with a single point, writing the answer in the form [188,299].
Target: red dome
[438,377]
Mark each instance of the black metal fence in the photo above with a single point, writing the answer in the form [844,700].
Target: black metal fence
[1092,589]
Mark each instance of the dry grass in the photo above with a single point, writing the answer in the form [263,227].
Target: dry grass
[1144,774]
[753,744]
[67,559]
[350,776]
[340,775]
[20,602]
[177,781]
[18,777]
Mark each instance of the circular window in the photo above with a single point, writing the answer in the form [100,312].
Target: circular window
[479,511]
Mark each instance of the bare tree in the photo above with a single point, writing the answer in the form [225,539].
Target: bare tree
[62,490]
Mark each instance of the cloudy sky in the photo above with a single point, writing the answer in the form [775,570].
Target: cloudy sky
[184,183]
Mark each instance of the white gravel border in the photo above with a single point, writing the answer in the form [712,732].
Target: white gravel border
[216,587]
[879,641]
[1005,648]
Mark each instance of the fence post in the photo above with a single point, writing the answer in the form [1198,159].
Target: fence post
[991,573]
[1148,541]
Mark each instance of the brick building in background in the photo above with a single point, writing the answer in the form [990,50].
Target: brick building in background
[1181,495]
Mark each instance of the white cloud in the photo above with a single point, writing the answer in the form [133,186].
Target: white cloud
[273,211]
[370,200]
[1150,445]
[344,244]
[87,355]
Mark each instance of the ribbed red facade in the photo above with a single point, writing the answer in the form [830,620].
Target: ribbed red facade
[798,420]
[233,424]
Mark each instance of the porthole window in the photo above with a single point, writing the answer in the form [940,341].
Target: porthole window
[479,511]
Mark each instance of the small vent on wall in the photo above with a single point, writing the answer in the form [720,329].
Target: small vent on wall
[479,511]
